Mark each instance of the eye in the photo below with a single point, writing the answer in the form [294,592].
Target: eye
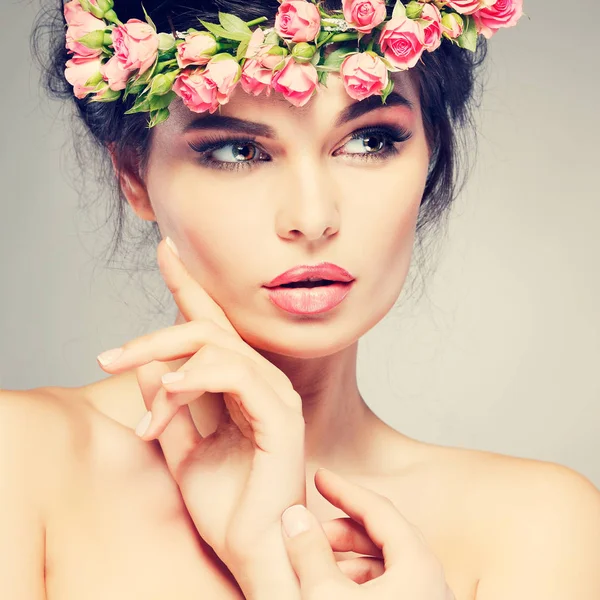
[376,143]
[368,143]
[229,153]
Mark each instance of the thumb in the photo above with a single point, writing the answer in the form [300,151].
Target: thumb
[308,548]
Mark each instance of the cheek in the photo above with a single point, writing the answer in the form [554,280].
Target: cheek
[387,205]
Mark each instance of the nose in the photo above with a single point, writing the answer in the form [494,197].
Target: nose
[309,201]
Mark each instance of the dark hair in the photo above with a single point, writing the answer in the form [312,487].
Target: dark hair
[447,81]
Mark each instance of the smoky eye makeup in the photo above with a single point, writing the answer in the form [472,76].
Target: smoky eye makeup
[230,152]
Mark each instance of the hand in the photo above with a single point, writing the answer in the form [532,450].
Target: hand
[398,562]
[237,481]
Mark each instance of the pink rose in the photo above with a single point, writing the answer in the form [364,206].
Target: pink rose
[114,73]
[466,7]
[433,30]
[197,49]
[364,15]
[198,93]
[256,46]
[363,75]
[402,42]
[504,13]
[257,72]
[80,23]
[298,20]
[255,78]
[136,45]
[224,74]
[452,25]
[79,70]
[296,81]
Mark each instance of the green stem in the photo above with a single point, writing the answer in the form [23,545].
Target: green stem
[257,21]
[343,37]
[223,46]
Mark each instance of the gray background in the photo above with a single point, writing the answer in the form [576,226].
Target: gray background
[501,353]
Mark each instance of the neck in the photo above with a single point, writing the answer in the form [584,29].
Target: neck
[340,427]
[342,432]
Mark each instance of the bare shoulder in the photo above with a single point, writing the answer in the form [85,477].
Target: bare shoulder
[40,430]
[37,439]
[538,525]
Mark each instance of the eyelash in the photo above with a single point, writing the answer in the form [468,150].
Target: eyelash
[392,135]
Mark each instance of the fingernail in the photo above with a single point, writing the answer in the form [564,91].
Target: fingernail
[295,520]
[173,376]
[172,245]
[109,356]
[143,425]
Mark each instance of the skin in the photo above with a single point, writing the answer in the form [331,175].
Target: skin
[309,206]
[502,527]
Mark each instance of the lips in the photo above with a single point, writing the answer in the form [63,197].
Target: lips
[311,276]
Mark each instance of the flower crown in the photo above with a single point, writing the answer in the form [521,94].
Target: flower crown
[113,60]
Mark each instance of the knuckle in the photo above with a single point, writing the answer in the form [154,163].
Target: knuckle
[241,372]
[210,353]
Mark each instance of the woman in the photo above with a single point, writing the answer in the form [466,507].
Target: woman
[198,511]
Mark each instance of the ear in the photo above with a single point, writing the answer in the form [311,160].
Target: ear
[133,188]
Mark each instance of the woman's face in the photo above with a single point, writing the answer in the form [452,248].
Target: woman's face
[282,186]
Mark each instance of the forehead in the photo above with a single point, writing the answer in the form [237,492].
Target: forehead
[329,107]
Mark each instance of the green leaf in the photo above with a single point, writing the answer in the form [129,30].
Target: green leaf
[158,117]
[316,58]
[158,102]
[147,76]
[336,58]
[323,37]
[141,105]
[468,38]
[109,96]
[218,31]
[241,51]
[148,19]
[387,90]
[94,80]
[323,78]
[399,10]
[132,89]
[272,38]
[234,24]
[93,39]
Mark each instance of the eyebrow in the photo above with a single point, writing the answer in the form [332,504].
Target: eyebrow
[350,113]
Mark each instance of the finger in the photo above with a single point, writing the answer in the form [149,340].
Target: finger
[346,535]
[218,370]
[181,436]
[383,522]
[173,343]
[193,301]
[186,339]
[308,550]
[362,569]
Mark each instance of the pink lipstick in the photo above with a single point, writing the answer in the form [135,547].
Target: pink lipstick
[310,289]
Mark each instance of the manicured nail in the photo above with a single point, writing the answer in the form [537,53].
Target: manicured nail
[143,425]
[173,376]
[295,520]
[172,245]
[109,356]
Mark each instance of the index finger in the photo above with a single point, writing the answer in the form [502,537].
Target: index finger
[191,298]
[383,522]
